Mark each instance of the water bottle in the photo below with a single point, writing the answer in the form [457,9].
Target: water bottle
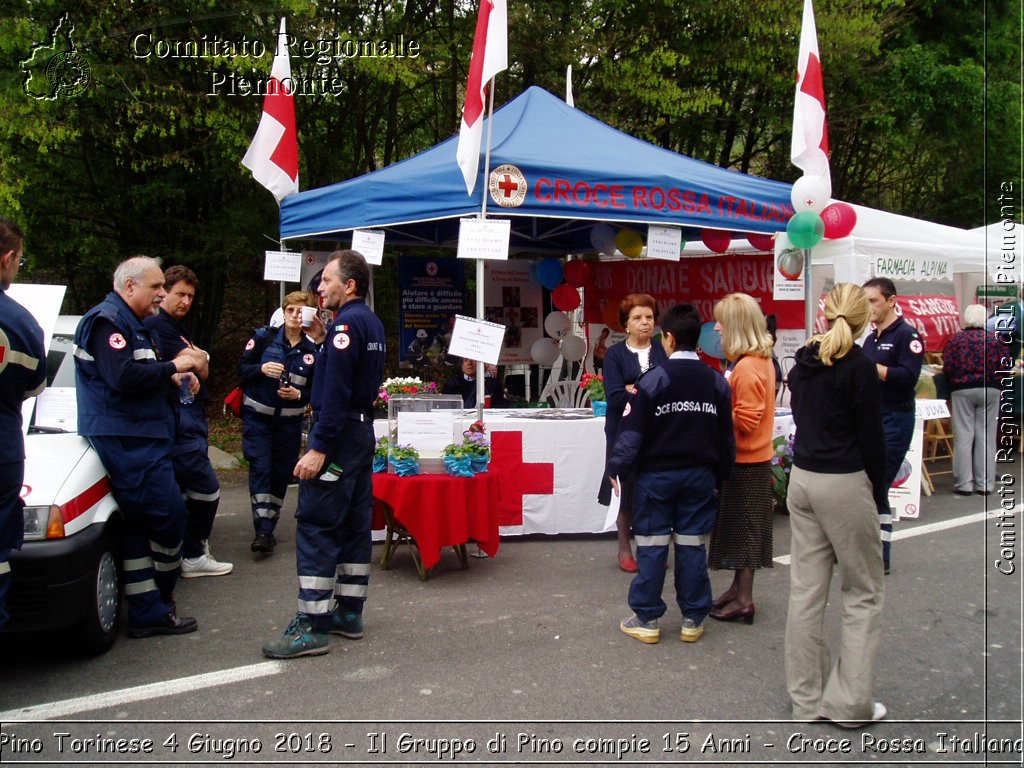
[285,380]
[185,389]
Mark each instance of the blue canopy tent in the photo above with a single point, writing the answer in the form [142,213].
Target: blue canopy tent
[554,172]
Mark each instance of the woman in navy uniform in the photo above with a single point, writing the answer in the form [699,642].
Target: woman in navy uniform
[276,370]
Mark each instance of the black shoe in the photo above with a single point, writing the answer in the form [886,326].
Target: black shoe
[264,542]
[887,567]
[983,493]
[958,492]
[170,624]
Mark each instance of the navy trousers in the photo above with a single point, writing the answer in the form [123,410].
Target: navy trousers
[332,537]
[675,506]
[12,525]
[271,446]
[899,431]
[201,490]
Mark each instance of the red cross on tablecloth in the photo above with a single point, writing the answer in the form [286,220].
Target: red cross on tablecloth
[518,477]
[507,185]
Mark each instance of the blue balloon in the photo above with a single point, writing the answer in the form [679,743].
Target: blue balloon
[710,341]
[549,272]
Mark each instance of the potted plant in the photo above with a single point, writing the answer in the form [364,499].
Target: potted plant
[380,455]
[399,385]
[782,465]
[405,460]
[471,456]
[594,384]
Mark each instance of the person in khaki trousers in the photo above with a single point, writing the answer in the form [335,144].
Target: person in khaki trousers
[837,480]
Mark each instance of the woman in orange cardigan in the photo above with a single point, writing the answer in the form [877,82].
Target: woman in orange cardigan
[742,538]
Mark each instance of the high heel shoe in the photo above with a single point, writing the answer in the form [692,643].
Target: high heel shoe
[627,563]
[725,598]
[746,613]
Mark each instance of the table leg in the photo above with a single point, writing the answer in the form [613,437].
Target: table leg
[389,540]
[460,550]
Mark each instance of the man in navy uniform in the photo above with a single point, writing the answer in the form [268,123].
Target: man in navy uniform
[123,409]
[191,453]
[332,539]
[22,375]
[677,436]
[897,350]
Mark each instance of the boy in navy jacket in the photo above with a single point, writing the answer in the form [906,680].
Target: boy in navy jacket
[677,435]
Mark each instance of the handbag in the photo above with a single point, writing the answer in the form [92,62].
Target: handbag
[233,402]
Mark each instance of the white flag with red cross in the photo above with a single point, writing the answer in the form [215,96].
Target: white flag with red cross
[273,156]
[809,151]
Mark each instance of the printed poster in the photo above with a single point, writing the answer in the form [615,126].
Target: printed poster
[432,292]
[513,298]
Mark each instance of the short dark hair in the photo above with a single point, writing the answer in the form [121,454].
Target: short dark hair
[352,266]
[885,286]
[11,236]
[179,274]
[683,322]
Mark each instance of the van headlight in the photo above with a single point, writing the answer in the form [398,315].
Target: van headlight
[43,523]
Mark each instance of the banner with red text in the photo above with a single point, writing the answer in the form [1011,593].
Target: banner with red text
[936,318]
[700,282]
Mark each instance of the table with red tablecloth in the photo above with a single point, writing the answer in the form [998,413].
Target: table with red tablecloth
[437,511]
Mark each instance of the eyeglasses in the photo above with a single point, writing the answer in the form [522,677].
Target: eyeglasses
[23,263]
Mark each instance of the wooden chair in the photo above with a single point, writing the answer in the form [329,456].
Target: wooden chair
[938,445]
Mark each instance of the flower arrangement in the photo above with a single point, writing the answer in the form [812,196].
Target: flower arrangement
[782,465]
[405,459]
[594,383]
[380,455]
[472,455]
[409,385]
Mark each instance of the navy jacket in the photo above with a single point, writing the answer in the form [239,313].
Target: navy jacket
[622,367]
[679,416]
[121,382]
[22,372]
[460,385]
[350,370]
[901,349]
[270,345]
[192,431]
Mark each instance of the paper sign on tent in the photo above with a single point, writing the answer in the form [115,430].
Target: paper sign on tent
[282,266]
[370,243]
[476,339]
[484,238]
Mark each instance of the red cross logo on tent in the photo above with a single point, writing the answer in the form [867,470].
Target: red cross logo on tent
[432,268]
[518,477]
[507,186]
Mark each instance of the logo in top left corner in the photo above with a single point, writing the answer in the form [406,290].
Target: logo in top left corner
[55,67]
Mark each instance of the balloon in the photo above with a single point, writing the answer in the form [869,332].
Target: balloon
[557,324]
[710,341]
[602,237]
[716,240]
[791,263]
[574,348]
[577,273]
[610,315]
[565,297]
[549,272]
[630,242]
[544,351]
[805,229]
[811,193]
[761,242]
[840,219]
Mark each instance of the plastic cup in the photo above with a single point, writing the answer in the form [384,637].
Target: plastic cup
[308,313]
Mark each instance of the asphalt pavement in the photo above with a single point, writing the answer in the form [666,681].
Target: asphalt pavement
[519,660]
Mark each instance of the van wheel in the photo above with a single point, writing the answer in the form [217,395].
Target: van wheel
[98,628]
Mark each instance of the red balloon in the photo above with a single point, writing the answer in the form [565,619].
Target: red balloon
[565,297]
[840,219]
[716,240]
[761,242]
[577,273]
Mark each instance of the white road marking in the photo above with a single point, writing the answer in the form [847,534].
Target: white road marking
[59,709]
[921,530]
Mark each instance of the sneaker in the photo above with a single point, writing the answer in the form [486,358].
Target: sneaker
[691,631]
[347,624]
[878,712]
[170,624]
[298,639]
[204,565]
[264,542]
[644,631]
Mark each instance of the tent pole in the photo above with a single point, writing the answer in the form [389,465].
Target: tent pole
[810,301]
[480,262]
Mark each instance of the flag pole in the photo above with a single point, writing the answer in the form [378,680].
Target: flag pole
[480,262]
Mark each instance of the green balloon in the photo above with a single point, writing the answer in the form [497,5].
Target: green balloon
[805,229]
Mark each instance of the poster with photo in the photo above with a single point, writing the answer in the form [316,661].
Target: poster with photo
[431,293]
[513,298]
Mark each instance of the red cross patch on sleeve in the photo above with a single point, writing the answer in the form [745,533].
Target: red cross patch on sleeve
[117,341]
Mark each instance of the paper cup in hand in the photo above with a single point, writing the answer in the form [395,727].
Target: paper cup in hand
[308,313]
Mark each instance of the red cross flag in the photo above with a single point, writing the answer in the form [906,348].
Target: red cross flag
[490,56]
[809,151]
[273,156]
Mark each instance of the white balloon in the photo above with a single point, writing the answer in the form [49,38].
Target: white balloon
[602,237]
[811,193]
[574,348]
[557,324]
[544,351]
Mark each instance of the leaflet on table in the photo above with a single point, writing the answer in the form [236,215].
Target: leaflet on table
[429,432]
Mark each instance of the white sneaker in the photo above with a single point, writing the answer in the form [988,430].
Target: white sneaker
[204,565]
